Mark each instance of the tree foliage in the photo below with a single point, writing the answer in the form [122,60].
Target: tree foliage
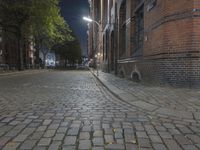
[48,25]
[38,20]
[14,14]
[69,51]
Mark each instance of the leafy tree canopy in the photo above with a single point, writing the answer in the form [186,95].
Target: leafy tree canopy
[41,16]
[69,50]
[48,25]
[38,20]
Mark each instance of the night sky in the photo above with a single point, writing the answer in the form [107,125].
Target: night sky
[73,12]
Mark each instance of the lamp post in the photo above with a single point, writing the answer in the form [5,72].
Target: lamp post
[97,56]
[1,51]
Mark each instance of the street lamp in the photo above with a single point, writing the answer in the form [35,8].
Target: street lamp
[90,20]
[97,56]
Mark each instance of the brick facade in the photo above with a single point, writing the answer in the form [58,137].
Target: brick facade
[155,41]
[9,58]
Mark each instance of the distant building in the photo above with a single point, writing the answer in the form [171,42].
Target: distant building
[29,55]
[156,41]
[9,54]
[50,59]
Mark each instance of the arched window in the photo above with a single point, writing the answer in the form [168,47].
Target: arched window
[139,32]
[122,28]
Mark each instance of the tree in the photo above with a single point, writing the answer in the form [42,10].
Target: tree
[69,51]
[52,27]
[38,20]
[74,51]
[13,16]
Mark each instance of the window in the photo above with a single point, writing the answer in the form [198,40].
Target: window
[122,36]
[139,31]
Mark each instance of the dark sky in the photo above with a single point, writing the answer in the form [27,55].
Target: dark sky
[73,12]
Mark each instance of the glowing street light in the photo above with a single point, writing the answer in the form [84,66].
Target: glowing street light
[90,20]
[87,19]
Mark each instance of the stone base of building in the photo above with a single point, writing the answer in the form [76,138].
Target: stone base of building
[184,72]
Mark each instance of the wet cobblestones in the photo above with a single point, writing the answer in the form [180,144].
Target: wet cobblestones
[72,110]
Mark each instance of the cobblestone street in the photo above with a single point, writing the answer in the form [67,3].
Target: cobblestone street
[72,110]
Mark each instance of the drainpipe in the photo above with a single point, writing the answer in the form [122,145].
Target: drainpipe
[108,12]
[101,11]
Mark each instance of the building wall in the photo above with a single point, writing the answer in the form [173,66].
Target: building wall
[166,50]
[10,54]
[171,53]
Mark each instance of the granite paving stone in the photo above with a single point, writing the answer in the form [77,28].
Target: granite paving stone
[72,110]
[70,140]
[11,146]
[28,144]
[44,142]
[84,144]
[84,136]
[98,141]
[115,147]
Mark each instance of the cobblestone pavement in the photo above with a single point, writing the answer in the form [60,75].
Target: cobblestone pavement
[72,110]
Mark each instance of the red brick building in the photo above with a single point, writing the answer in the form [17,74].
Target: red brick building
[9,57]
[156,41]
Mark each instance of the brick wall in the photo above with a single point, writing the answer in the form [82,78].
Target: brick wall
[168,28]
[171,53]
[174,72]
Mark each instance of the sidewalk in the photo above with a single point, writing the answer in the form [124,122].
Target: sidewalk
[29,71]
[160,101]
